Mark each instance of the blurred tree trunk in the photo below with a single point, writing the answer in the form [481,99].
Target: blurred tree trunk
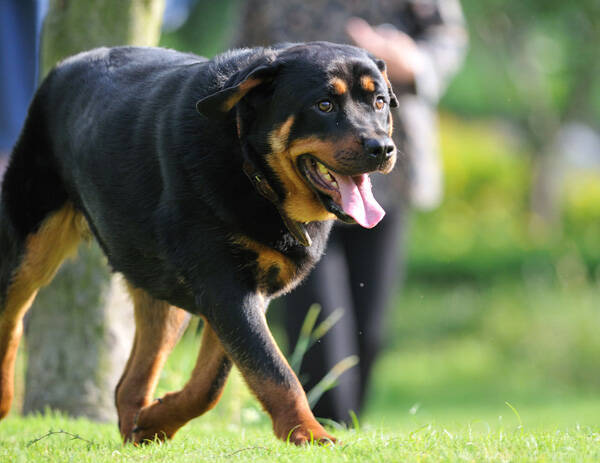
[547,178]
[81,328]
[72,26]
[557,87]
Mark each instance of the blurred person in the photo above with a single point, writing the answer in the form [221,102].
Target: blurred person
[20,24]
[423,43]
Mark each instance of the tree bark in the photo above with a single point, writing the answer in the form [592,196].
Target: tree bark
[80,330]
[72,26]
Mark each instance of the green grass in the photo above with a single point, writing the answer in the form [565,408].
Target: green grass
[211,439]
[456,356]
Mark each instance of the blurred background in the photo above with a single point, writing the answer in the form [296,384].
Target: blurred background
[502,295]
[502,298]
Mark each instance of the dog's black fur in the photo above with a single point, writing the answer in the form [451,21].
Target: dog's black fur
[117,134]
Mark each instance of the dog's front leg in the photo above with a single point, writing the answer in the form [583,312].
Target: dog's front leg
[244,333]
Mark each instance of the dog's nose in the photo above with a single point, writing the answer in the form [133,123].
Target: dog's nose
[380,149]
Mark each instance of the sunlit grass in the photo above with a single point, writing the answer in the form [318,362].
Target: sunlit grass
[214,440]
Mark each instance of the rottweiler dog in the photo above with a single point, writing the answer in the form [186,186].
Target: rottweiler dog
[211,185]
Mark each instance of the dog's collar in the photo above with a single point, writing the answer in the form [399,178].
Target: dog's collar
[260,184]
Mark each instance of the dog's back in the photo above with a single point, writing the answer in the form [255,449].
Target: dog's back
[79,122]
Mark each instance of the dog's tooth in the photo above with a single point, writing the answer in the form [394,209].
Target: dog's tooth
[322,168]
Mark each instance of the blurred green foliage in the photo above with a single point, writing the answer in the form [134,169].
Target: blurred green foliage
[532,335]
[209,29]
[527,56]
[485,228]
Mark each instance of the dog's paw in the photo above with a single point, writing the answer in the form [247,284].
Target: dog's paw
[154,422]
[308,434]
[308,437]
[127,419]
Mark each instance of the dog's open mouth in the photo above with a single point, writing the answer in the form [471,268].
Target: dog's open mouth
[349,197]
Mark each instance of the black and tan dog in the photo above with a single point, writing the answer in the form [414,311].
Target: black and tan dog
[211,186]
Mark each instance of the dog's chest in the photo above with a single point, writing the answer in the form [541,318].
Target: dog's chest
[272,271]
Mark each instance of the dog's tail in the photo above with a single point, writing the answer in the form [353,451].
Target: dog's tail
[39,228]
[31,192]
[11,247]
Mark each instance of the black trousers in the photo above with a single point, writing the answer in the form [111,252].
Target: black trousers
[358,273]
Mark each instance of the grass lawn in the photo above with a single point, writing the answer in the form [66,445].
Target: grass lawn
[553,428]
[440,391]
[450,435]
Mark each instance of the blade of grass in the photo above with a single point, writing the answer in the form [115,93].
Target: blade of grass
[517,415]
[304,339]
[326,325]
[329,380]
[354,418]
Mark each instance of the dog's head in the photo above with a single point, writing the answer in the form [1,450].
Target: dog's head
[319,115]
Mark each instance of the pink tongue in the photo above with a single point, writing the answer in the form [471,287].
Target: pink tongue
[358,201]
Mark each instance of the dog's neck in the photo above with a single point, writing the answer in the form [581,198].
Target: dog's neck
[261,185]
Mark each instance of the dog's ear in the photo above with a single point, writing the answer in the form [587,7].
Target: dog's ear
[218,104]
[382,67]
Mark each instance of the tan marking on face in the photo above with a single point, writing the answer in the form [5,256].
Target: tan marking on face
[390,124]
[268,258]
[367,83]
[301,202]
[338,85]
[278,138]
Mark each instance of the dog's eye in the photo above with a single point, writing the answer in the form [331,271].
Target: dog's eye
[325,106]
[380,103]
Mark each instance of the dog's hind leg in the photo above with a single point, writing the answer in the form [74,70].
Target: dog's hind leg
[27,264]
[158,327]
[165,416]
